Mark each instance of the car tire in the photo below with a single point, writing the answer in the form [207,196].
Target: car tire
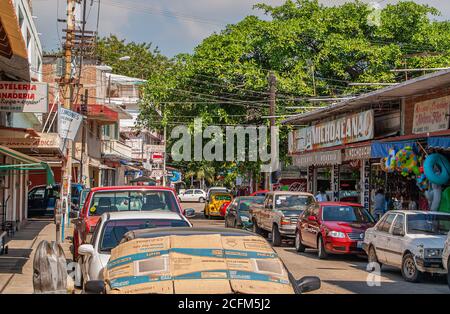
[226,223]
[204,214]
[201,200]
[321,251]
[372,256]
[409,269]
[299,247]
[235,224]
[276,236]
[255,228]
[81,285]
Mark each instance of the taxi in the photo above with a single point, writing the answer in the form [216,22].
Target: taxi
[215,202]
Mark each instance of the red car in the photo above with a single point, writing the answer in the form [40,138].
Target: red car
[120,198]
[333,228]
[223,209]
[260,193]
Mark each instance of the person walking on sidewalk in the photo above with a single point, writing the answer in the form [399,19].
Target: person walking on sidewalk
[380,204]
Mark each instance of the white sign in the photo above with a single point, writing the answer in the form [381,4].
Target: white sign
[431,115]
[353,128]
[327,158]
[23,97]
[158,173]
[155,148]
[68,123]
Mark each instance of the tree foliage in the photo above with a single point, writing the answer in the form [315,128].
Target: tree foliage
[225,80]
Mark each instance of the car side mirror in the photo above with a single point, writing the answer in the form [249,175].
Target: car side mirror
[189,212]
[74,214]
[86,249]
[308,284]
[398,232]
[94,287]
[312,218]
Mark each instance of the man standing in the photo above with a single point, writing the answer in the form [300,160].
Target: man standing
[380,204]
[322,196]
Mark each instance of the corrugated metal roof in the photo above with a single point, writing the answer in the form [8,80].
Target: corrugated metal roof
[408,88]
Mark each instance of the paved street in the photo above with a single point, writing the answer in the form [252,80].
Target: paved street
[339,274]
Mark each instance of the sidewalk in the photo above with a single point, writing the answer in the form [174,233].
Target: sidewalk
[16,268]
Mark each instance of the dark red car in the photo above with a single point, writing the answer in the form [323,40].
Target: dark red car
[333,228]
[120,198]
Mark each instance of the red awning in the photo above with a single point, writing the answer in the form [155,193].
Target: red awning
[101,113]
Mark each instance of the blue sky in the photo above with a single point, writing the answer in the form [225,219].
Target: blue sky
[175,26]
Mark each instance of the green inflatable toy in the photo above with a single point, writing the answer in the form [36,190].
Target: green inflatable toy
[444,206]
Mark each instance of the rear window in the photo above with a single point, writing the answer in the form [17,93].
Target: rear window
[114,230]
[222,197]
[105,201]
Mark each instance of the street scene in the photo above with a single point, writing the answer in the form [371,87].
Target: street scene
[216,147]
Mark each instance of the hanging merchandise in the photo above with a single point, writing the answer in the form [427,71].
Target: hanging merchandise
[406,162]
[388,163]
[445,201]
[437,169]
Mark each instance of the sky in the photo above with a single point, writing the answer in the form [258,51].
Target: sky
[174,26]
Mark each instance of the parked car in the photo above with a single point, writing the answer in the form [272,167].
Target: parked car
[410,240]
[193,195]
[215,201]
[263,275]
[279,213]
[446,258]
[111,228]
[216,189]
[238,212]
[42,199]
[333,228]
[119,198]
[259,193]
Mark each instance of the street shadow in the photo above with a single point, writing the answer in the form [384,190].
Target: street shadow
[30,230]
[312,253]
[397,287]
[14,261]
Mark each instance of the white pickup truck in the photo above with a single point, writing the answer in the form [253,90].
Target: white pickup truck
[279,214]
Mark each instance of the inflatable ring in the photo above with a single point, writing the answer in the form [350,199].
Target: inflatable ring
[437,161]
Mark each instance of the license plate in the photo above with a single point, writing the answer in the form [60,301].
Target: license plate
[359,244]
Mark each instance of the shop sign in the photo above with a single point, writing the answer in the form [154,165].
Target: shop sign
[155,148]
[44,141]
[366,185]
[336,182]
[350,129]
[332,157]
[431,115]
[357,153]
[23,97]
[68,123]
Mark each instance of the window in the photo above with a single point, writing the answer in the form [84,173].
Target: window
[114,230]
[293,201]
[399,225]
[198,192]
[269,201]
[189,192]
[428,223]
[37,193]
[103,202]
[386,223]
[346,214]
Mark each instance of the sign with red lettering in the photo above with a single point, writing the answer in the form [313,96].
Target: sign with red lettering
[431,115]
[23,97]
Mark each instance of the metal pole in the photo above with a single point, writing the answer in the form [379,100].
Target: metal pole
[165,148]
[272,103]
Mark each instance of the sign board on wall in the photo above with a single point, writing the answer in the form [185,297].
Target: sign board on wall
[23,97]
[431,115]
[45,141]
[349,129]
[357,153]
[327,158]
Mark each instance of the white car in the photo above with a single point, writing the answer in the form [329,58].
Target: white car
[109,231]
[446,259]
[193,195]
[410,240]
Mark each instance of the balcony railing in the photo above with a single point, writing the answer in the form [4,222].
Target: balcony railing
[116,150]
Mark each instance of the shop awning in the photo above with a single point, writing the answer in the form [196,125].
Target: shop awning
[381,149]
[439,142]
[26,163]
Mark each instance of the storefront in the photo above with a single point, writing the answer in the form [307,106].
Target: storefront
[15,168]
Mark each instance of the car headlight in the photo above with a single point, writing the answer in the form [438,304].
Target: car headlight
[433,253]
[420,251]
[244,219]
[336,234]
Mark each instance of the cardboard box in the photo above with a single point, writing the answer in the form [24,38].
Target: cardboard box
[197,264]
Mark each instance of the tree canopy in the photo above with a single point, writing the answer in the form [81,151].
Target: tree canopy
[315,51]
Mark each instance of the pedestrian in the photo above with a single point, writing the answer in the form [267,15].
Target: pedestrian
[380,204]
[322,196]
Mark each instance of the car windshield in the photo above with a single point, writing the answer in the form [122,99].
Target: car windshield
[428,224]
[114,230]
[106,201]
[245,204]
[293,201]
[346,214]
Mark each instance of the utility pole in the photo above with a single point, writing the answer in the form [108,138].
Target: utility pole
[165,147]
[68,89]
[272,103]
